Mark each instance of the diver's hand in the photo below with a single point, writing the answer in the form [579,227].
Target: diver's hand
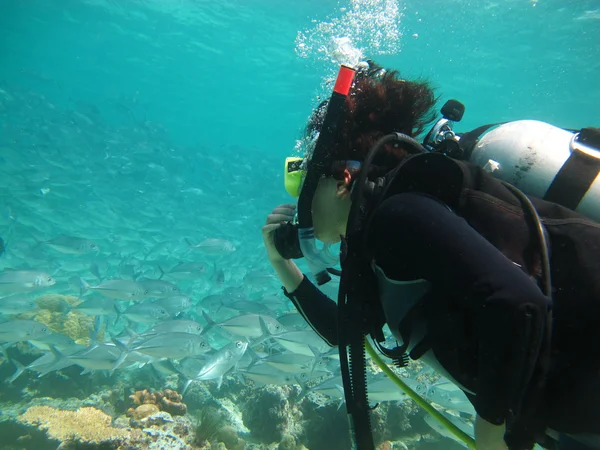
[280,215]
[489,436]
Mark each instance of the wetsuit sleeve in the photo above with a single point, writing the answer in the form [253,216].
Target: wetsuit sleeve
[417,237]
[317,309]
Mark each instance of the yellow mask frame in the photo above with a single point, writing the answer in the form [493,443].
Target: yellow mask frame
[293,175]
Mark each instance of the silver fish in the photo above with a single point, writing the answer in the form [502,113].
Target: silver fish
[450,397]
[234,294]
[221,362]
[332,387]
[175,326]
[159,288]
[275,301]
[293,362]
[21,281]
[97,306]
[157,248]
[259,279]
[22,330]
[16,304]
[190,367]
[72,245]
[185,271]
[118,289]
[263,374]
[248,325]
[249,307]
[173,345]
[464,426]
[382,389]
[98,269]
[292,321]
[46,363]
[175,305]
[213,246]
[301,342]
[102,357]
[144,313]
[164,367]
[211,302]
[57,340]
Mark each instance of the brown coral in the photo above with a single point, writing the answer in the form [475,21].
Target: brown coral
[142,411]
[172,403]
[167,400]
[144,397]
[86,425]
[54,311]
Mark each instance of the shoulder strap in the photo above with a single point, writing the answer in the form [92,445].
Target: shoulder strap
[417,175]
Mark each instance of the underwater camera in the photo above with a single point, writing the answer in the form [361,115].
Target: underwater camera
[286,241]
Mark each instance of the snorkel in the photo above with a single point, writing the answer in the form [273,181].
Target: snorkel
[318,260]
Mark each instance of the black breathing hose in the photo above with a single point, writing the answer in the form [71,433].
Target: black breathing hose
[351,317]
[354,219]
[546,282]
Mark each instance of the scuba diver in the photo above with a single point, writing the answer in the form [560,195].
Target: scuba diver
[495,288]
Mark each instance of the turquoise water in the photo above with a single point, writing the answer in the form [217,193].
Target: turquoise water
[140,124]
[204,69]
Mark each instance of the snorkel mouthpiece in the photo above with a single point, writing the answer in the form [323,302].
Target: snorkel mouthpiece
[322,158]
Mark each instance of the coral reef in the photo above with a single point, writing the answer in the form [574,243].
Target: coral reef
[327,427]
[91,429]
[200,394]
[230,438]
[87,425]
[143,411]
[55,312]
[288,442]
[168,400]
[271,412]
[235,417]
[165,440]
[209,422]
[166,432]
[402,421]
[56,302]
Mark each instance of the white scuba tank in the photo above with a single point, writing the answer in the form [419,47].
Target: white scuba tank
[529,154]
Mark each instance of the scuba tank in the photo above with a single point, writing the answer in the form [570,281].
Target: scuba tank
[542,160]
[545,162]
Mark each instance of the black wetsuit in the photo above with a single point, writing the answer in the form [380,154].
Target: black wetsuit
[477,306]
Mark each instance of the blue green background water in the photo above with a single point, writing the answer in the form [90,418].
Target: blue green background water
[217,73]
[226,71]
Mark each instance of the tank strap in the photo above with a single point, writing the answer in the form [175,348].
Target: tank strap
[577,174]
[468,140]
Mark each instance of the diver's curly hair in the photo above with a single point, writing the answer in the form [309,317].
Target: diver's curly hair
[380,102]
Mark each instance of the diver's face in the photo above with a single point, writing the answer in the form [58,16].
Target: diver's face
[329,211]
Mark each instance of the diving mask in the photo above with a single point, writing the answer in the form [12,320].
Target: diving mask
[294,172]
[303,182]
